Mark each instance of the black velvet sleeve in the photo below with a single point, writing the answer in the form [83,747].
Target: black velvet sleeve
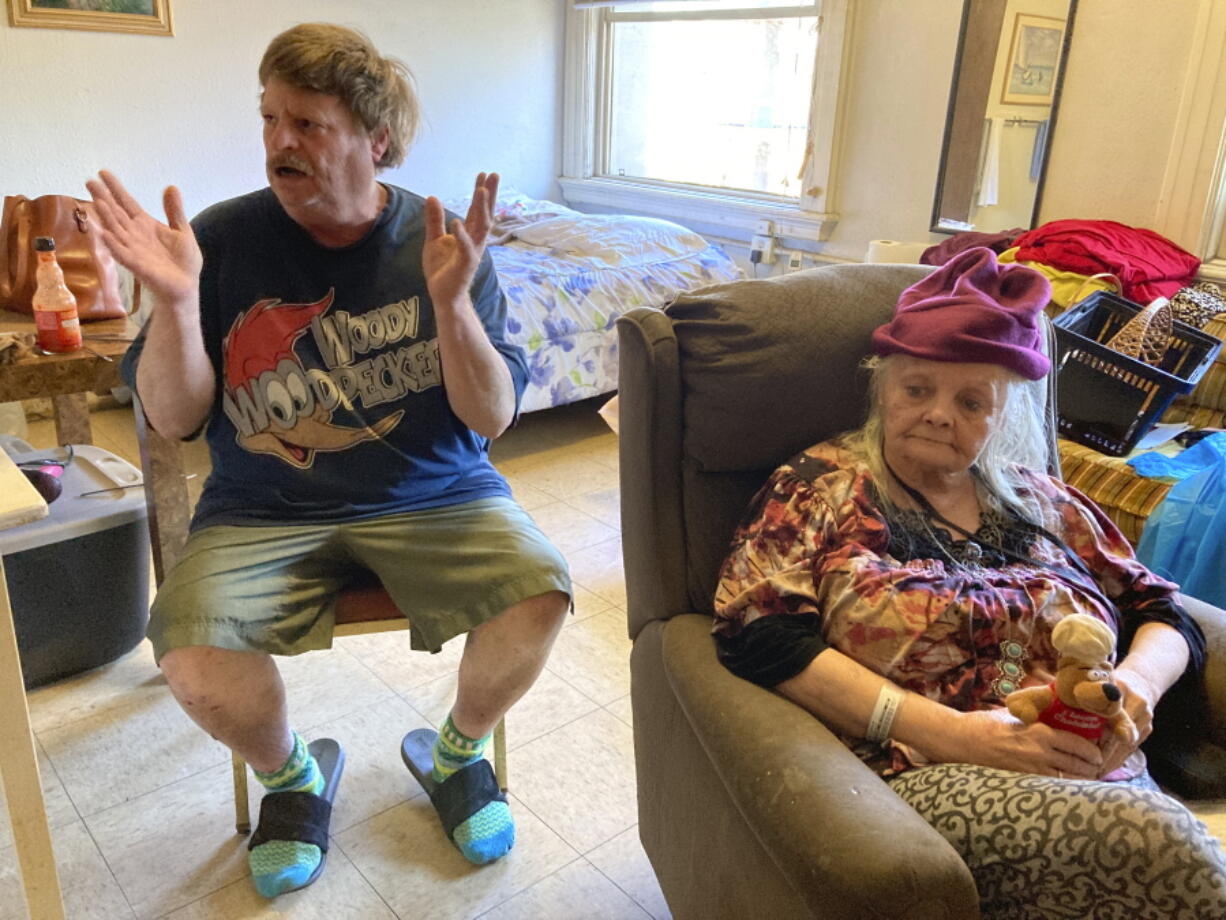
[772,648]
[1164,610]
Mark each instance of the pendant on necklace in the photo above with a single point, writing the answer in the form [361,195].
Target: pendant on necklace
[1012,654]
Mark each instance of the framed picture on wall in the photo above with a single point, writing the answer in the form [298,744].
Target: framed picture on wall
[1034,60]
[151,17]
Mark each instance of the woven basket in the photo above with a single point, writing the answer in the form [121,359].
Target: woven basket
[1147,335]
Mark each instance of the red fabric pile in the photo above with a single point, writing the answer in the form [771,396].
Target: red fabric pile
[1149,265]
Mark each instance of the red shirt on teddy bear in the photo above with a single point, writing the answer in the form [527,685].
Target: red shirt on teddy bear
[1060,715]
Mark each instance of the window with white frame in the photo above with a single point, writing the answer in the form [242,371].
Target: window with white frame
[724,111]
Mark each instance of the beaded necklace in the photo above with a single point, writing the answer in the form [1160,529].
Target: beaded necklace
[981,545]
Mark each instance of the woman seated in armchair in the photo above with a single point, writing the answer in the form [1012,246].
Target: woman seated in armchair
[928,549]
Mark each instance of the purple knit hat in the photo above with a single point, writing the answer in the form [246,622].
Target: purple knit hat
[974,310]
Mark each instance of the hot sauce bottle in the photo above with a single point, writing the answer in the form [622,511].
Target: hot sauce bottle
[55,309]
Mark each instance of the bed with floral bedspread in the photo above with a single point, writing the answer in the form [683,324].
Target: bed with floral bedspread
[568,276]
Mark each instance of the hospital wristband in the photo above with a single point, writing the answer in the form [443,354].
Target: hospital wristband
[882,719]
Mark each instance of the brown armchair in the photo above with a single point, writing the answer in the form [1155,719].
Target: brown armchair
[748,806]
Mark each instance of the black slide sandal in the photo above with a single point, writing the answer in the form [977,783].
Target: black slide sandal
[304,816]
[462,794]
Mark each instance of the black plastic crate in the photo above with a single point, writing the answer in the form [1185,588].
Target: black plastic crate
[1109,401]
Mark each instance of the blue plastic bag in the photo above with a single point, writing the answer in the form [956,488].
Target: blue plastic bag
[1185,537]
[1204,453]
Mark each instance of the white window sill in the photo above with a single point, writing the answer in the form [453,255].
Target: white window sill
[736,215]
[1212,270]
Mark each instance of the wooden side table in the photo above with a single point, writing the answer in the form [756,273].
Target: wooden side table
[20,504]
[67,378]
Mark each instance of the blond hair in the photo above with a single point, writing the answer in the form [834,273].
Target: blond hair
[343,62]
[1016,442]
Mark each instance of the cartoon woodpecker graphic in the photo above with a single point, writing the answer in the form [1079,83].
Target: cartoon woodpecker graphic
[278,406]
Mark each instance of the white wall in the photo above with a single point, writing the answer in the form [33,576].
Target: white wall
[183,109]
[902,63]
[1112,145]
[1122,89]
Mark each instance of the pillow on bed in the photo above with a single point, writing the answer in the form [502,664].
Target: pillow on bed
[614,239]
[514,206]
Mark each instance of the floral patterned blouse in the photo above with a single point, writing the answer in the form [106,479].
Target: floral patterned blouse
[818,564]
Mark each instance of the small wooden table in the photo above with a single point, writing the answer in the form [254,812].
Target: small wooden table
[67,378]
[20,504]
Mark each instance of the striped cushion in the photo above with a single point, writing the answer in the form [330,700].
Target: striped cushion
[1197,416]
[1126,497]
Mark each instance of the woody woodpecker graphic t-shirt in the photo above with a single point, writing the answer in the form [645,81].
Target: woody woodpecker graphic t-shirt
[330,400]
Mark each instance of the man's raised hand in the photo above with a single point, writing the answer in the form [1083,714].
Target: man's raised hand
[450,260]
[164,257]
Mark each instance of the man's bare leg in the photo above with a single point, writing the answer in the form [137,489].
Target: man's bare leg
[502,659]
[237,697]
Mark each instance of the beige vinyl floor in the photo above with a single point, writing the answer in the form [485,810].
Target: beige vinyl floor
[140,801]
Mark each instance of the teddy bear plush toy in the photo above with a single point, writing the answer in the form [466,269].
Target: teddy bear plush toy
[1082,699]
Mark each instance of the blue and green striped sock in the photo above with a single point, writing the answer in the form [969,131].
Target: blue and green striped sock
[490,833]
[279,866]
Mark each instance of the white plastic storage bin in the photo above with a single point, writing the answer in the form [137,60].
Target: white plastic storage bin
[79,578]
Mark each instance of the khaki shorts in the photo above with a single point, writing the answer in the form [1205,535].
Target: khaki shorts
[273,589]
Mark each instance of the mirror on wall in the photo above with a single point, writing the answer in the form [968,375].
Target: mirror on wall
[1002,112]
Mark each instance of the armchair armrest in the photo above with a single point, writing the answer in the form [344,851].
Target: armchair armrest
[1212,622]
[1187,752]
[793,781]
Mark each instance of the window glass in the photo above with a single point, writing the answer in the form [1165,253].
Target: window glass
[720,102]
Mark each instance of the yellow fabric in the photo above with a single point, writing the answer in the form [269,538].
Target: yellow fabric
[1066,287]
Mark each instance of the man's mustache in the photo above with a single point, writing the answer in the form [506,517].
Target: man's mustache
[290,161]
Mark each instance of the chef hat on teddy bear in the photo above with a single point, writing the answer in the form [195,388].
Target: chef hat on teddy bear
[1083,637]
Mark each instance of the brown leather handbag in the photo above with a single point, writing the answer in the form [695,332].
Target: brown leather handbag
[89,269]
